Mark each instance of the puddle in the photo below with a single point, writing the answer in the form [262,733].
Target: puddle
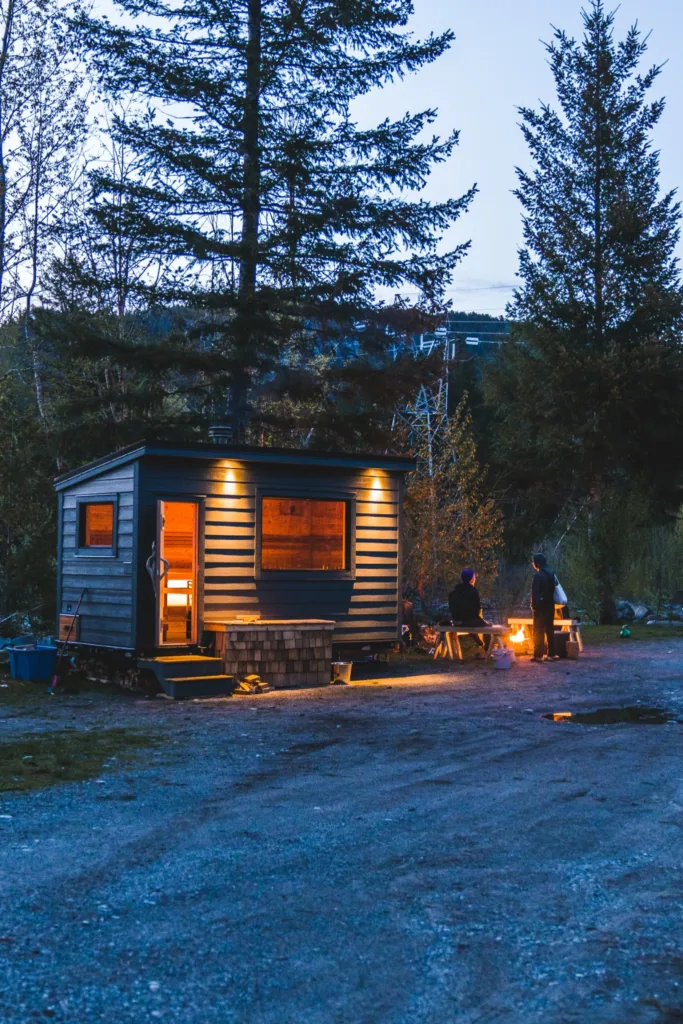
[636,715]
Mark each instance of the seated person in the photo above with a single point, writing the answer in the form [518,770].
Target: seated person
[465,604]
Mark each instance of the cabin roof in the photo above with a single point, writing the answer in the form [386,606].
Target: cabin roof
[240,453]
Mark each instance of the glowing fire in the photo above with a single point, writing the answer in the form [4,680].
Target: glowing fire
[519,637]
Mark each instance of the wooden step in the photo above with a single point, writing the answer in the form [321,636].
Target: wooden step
[198,686]
[182,666]
[195,679]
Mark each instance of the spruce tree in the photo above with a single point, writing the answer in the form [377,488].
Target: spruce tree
[590,396]
[274,210]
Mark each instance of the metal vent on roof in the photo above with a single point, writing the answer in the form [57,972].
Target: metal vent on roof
[220,435]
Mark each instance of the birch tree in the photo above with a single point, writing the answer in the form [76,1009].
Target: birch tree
[43,103]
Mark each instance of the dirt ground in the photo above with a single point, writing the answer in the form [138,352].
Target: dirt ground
[419,849]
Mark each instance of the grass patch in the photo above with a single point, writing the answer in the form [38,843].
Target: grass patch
[596,636]
[17,691]
[44,759]
[21,692]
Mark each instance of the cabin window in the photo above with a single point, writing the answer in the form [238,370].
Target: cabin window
[96,525]
[303,533]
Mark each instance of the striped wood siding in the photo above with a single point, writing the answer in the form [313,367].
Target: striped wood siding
[365,608]
[107,608]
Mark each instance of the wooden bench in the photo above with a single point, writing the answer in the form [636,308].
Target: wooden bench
[449,640]
[571,626]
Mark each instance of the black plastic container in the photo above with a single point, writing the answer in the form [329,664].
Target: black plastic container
[561,644]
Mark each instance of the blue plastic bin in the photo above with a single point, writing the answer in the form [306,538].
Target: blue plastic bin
[35,665]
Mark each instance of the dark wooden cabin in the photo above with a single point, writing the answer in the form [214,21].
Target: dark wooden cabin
[163,542]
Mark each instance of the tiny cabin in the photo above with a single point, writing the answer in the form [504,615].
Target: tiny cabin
[164,547]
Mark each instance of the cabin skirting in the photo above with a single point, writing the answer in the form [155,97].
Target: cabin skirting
[284,653]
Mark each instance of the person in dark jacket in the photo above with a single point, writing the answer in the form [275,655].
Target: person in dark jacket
[465,604]
[543,609]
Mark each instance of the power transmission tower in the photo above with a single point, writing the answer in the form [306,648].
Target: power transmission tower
[427,416]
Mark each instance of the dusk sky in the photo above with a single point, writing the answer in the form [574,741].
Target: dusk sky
[496,64]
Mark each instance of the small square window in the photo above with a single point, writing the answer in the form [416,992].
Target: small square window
[96,527]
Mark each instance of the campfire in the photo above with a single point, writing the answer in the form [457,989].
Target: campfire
[521,642]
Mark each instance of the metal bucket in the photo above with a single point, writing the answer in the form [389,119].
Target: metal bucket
[503,657]
[341,672]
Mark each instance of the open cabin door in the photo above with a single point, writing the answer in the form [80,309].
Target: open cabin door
[177,579]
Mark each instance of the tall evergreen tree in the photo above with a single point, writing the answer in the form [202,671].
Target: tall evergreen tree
[28,534]
[273,208]
[590,398]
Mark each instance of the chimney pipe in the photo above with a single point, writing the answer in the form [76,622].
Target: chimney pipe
[220,435]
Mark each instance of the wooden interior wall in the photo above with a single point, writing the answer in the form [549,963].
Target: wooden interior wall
[106,615]
[365,608]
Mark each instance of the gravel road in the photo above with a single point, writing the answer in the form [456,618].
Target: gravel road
[420,849]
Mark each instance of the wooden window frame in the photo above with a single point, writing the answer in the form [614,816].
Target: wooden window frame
[96,552]
[299,493]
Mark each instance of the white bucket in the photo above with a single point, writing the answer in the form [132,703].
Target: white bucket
[503,657]
[341,671]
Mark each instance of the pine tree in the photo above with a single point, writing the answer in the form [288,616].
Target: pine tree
[110,382]
[275,212]
[589,399]
[28,538]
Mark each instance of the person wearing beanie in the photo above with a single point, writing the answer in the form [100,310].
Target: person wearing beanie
[465,604]
[543,609]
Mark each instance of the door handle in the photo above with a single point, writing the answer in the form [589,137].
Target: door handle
[153,567]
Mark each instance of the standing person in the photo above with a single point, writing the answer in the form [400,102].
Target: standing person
[543,609]
[465,604]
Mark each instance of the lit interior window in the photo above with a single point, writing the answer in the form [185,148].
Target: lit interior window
[98,525]
[303,533]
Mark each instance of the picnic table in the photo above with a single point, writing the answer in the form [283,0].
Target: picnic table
[571,626]
[449,640]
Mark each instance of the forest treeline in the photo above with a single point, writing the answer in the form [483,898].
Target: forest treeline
[195,229]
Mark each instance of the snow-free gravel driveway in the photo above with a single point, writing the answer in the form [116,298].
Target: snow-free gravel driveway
[421,849]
